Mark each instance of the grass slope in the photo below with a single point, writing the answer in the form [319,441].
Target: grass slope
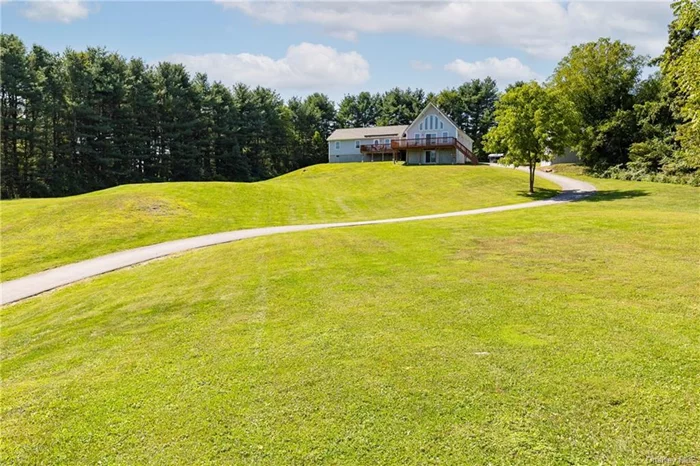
[38,234]
[562,335]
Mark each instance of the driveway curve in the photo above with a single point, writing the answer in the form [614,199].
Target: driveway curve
[31,285]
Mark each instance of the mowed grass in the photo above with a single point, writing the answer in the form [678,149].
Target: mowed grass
[567,334]
[38,234]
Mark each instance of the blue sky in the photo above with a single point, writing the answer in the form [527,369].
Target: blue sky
[342,47]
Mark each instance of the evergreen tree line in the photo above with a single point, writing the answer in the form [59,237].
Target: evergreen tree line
[86,120]
[81,121]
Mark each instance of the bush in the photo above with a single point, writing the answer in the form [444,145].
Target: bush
[619,172]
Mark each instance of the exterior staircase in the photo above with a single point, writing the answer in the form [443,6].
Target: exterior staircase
[467,153]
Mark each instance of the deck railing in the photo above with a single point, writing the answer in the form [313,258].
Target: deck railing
[423,143]
[376,148]
[418,143]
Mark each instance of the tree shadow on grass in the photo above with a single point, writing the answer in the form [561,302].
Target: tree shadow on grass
[540,194]
[615,195]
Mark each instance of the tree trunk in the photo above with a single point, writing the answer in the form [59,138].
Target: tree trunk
[532,177]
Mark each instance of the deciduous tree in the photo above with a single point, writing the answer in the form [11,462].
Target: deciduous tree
[599,79]
[532,124]
[680,65]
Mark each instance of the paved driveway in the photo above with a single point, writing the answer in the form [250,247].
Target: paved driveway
[25,287]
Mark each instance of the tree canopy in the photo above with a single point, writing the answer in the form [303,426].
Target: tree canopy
[86,120]
[533,124]
[599,79]
[680,65]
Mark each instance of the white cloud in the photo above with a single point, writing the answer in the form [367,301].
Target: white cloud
[350,36]
[544,28]
[504,71]
[63,11]
[305,66]
[419,65]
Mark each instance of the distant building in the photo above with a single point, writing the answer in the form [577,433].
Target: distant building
[569,156]
[432,138]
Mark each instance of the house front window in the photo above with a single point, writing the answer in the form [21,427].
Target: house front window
[387,141]
[337,145]
[444,136]
[430,156]
[357,144]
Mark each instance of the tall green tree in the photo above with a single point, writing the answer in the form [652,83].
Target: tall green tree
[140,157]
[229,163]
[14,89]
[400,107]
[178,113]
[599,79]
[533,124]
[655,127]
[49,98]
[359,111]
[313,119]
[680,65]
[95,96]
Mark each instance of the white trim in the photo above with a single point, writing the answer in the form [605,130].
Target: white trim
[421,116]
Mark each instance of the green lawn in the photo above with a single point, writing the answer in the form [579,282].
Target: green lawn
[38,234]
[567,334]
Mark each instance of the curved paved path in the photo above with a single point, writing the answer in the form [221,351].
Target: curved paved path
[25,287]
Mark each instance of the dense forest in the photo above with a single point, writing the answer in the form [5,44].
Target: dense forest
[84,120]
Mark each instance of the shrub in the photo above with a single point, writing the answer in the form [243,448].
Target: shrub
[619,172]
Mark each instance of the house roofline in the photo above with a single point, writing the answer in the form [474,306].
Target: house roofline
[431,104]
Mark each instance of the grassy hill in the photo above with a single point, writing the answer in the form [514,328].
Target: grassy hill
[38,234]
[562,335]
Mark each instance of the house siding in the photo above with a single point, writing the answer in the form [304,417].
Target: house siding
[347,152]
[569,156]
[444,157]
[415,127]
[466,140]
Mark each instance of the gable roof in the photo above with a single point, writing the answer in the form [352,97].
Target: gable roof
[443,114]
[425,110]
[367,133]
[389,131]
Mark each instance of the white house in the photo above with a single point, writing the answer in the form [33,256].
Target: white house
[432,138]
[569,156]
